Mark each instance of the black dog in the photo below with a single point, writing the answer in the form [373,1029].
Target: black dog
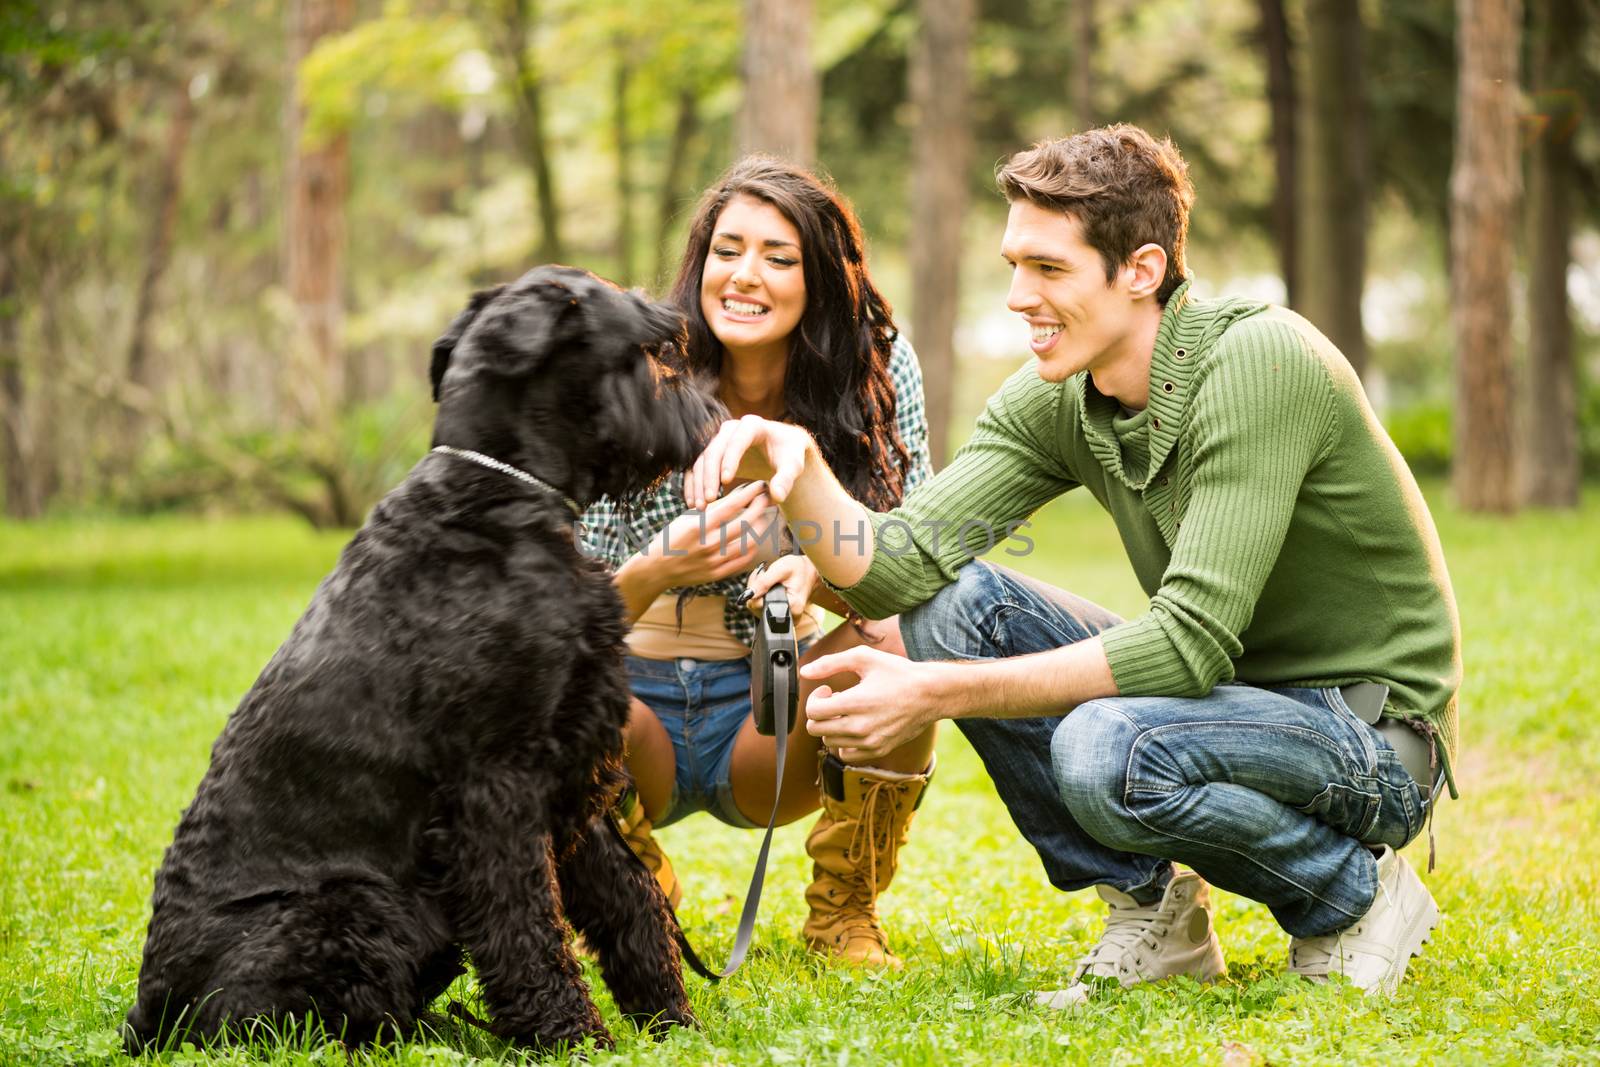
[423,766]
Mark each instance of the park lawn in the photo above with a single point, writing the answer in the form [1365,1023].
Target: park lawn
[125,644]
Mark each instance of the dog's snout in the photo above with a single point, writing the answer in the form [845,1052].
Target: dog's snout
[665,323]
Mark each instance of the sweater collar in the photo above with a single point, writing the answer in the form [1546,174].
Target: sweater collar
[1187,331]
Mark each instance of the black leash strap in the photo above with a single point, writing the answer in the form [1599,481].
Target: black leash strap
[752,899]
[782,705]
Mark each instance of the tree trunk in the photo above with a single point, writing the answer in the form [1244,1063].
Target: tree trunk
[779,112]
[940,151]
[158,253]
[513,40]
[672,181]
[1086,45]
[1333,177]
[1483,201]
[22,502]
[624,146]
[318,179]
[1552,471]
[1281,96]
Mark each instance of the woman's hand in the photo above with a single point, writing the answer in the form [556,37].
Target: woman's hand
[796,574]
[728,538]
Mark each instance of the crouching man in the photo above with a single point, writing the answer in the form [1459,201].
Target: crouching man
[1282,718]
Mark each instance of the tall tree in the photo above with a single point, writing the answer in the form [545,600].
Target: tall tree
[622,137]
[1552,471]
[779,111]
[510,28]
[317,179]
[1086,45]
[1333,177]
[1276,49]
[21,502]
[1483,201]
[941,148]
[685,127]
[158,250]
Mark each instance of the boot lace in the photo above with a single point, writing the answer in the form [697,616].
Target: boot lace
[873,835]
[1127,934]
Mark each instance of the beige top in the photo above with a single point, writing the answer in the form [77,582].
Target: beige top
[704,635]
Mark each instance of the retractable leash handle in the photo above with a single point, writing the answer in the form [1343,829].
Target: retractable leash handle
[774,696]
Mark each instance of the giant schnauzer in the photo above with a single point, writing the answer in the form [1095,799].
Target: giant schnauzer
[423,767]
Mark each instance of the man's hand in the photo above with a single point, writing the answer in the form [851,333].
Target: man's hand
[895,700]
[751,447]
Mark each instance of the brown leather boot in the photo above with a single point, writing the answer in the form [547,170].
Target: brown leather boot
[635,827]
[855,848]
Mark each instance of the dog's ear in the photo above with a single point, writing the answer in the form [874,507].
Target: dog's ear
[519,333]
[446,344]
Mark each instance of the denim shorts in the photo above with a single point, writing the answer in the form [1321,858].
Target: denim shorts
[702,704]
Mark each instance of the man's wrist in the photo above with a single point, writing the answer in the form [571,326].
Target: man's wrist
[950,689]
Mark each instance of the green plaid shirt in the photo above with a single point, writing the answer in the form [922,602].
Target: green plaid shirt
[612,531]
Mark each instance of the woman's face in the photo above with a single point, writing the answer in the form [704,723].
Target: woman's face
[753,286]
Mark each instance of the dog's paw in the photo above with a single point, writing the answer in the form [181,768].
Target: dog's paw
[568,1038]
[661,1023]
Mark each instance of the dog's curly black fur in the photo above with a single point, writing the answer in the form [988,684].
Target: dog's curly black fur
[423,767]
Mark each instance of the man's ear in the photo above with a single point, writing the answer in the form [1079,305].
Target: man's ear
[446,344]
[1148,268]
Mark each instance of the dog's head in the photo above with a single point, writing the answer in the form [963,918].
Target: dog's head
[562,371]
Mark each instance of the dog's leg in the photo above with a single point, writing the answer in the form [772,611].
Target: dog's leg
[623,915]
[509,915]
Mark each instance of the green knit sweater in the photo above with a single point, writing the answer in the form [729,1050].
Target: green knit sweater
[1281,538]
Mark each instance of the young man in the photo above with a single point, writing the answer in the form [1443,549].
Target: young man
[1281,718]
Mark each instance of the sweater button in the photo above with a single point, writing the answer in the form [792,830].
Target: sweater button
[1167,387]
[1155,422]
[1182,353]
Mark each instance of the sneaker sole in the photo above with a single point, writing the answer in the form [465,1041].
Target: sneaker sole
[1417,934]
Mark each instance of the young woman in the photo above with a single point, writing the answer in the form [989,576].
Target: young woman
[784,323]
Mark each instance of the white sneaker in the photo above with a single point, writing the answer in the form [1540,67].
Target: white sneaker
[1144,943]
[1373,952]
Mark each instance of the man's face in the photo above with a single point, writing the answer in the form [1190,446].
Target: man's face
[1058,285]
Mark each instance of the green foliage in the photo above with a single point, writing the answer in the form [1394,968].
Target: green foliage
[253,467]
[1422,434]
[128,643]
[410,62]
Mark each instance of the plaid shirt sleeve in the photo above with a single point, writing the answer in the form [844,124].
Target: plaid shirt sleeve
[910,411]
[612,530]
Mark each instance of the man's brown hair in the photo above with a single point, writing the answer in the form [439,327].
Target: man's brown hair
[1125,188]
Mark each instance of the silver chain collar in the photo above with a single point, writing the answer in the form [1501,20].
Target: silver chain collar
[506,468]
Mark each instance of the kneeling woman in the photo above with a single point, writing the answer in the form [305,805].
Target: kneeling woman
[784,323]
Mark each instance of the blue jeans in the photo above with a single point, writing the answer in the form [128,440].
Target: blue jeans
[702,704]
[1274,794]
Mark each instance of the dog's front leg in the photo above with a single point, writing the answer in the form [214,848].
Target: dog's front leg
[509,917]
[623,915]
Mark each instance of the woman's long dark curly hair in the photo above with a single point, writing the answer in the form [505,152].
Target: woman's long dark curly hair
[837,381]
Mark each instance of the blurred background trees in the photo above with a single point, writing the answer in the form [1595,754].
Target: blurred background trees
[228,232]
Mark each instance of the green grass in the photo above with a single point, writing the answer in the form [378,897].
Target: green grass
[124,646]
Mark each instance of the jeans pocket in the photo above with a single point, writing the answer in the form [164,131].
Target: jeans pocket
[1405,807]
[1350,811]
